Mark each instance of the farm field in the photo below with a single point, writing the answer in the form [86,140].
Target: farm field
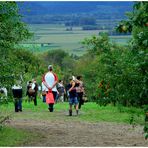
[50,37]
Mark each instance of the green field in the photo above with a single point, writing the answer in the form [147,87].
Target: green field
[47,37]
[89,113]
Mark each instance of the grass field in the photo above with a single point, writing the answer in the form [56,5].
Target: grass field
[15,137]
[57,37]
[90,113]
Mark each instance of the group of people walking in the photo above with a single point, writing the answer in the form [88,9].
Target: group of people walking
[52,91]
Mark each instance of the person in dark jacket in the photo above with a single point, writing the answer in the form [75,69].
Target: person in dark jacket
[34,95]
[27,93]
[17,94]
[72,95]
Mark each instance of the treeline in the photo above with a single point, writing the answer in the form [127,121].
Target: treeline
[86,22]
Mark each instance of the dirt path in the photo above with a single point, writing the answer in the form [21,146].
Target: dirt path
[77,133]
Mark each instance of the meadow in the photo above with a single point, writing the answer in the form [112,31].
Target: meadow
[49,36]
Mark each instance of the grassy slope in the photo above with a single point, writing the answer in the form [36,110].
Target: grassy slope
[90,112]
[15,137]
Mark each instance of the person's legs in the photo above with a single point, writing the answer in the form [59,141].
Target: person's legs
[70,110]
[62,98]
[76,105]
[81,102]
[56,98]
[16,105]
[20,104]
[44,98]
[35,100]
[51,107]
[54,95]
[77,110]
[70,106]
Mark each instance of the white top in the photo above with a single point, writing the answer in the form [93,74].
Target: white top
[60,85]
[33,85]
[50,79]
[16,87]
[44,88]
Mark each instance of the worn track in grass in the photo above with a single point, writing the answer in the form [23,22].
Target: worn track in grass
[61,132]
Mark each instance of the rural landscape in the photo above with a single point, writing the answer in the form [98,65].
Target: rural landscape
[105,43]
[51,37]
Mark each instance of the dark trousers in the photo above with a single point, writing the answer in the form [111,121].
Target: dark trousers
[44,98]
[80,98]
[18,104]
[35,100]
[52,104]
[51,107]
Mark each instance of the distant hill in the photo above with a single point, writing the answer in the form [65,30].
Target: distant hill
[44,12]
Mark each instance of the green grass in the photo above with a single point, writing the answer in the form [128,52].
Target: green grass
[90,112]
[112,114]
[15,137]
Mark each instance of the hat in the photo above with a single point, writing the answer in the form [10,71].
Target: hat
[50,66]
[72,78]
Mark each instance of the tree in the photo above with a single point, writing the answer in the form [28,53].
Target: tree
[98,44]
[60,58]
[125,69]
[137,24]
[12,31]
